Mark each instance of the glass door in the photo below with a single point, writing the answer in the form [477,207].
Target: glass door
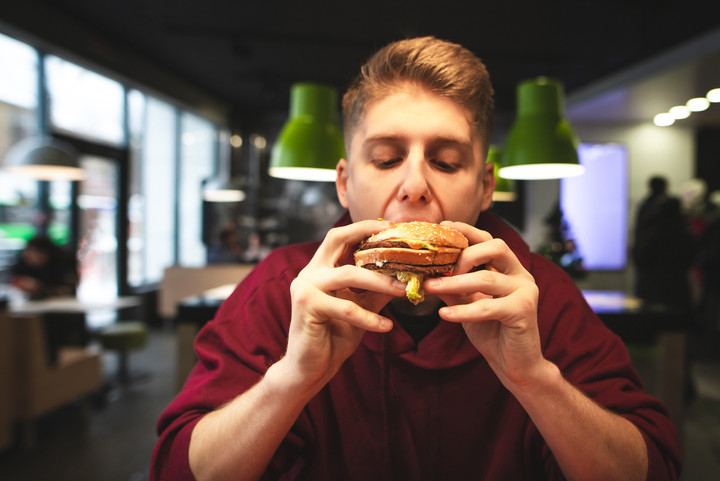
[97,229]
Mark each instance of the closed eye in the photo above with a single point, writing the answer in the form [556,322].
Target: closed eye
[387,163]
[444,166]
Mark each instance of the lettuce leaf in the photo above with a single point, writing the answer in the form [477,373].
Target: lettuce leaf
[413,291]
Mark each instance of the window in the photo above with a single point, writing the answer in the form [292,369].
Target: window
[595,206]
[169,150]
[83,102]
[151,206]
[19,198]
[198,146]
[97,246]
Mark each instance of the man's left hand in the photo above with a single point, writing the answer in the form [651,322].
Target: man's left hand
[497,305]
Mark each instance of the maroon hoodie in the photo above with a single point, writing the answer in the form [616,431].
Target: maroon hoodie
[397,410]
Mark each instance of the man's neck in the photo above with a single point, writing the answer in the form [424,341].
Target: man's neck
[429,306]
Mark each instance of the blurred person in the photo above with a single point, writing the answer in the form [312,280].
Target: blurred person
[694,204]
[256,250]
[709,265]
[227,249]
[663,278]
[44,269]
[317,369]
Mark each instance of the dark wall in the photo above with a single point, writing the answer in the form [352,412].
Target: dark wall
[708,157]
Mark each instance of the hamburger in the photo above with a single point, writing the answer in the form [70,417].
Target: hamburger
[412,251]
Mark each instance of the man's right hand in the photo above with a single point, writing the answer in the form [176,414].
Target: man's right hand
[333,304]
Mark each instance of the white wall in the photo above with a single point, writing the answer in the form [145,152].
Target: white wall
[667,151]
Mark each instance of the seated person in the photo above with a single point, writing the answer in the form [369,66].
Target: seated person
[44,269]
[315,369]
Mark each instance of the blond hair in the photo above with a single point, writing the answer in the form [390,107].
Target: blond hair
[444,68]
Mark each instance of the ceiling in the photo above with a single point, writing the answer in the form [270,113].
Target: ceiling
[245,55]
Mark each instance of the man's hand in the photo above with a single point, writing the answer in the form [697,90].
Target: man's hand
[496,305]
[333,304]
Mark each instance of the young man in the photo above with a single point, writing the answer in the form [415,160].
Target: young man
[317,369]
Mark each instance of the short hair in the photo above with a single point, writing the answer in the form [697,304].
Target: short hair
[444,68]
[658,184]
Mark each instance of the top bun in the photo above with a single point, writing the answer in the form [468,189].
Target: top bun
[434,234]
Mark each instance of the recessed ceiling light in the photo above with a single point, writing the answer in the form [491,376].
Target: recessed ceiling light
[663,120]
[698,104]
[713,95]
[679,112]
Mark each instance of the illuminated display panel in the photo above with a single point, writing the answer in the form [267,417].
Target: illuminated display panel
[595,206]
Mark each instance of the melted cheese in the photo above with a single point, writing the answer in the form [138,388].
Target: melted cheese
[417,244]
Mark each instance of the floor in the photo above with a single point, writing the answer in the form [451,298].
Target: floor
[116,441]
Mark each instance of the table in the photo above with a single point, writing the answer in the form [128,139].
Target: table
[662,326]
[65,318]
[69,305]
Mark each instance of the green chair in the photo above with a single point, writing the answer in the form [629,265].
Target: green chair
[123,337]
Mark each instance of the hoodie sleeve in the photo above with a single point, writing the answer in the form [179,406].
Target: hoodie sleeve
[234,350]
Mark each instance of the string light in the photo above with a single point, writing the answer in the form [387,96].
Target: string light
[698,104]
[679,112]
[713,95]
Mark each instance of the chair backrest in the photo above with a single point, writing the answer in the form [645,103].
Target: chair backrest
[31,350]
[180,282]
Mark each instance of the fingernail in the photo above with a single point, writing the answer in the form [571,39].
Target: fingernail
[399,285]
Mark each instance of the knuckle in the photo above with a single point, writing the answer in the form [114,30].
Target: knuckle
[349,309]
[334,234]
[299,291]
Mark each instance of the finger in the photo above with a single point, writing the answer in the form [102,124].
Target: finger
[494,254]
[350,312]
[339,240]
[473,234]
[488,282]
[503,309]
[350,276]
[484,250]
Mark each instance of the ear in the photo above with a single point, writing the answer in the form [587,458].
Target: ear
[488,182]
[341,181]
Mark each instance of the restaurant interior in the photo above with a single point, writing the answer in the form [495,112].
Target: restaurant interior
[150,110]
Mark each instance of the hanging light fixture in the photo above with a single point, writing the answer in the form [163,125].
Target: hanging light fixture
[504,188]
[44,158]
[222,190]
[311,142]
[222,187]
[541,144]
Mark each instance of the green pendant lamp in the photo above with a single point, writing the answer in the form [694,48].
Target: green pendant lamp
[504,188]
[44,158]
[541,144]
[311,142]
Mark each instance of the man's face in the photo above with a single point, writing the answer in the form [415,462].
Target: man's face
[415,156]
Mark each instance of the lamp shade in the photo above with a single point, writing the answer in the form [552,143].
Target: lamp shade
[44,158]
[541,144]
[311,142]
[222,190]
[504,188]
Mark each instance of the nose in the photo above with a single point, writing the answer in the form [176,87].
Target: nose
[414,186]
